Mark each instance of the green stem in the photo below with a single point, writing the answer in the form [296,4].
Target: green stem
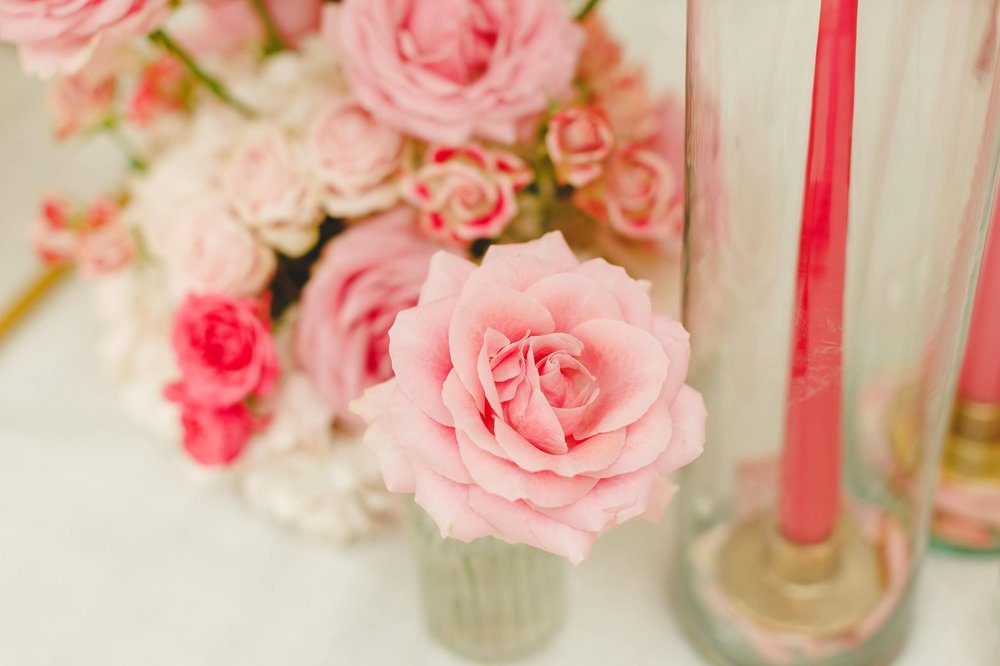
[586,9]
[167,43]
[114,131]
[274,41]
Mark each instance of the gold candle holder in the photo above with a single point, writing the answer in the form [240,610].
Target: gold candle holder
[820,591]
[972,452]
[30,296]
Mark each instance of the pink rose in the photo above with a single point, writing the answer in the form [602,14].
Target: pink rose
[536,398]
[82,101]
[233,24]
[269,185]
[210,251]
[467,192]
[106,244]
[216,436]
[624,97]
[602,54]
[363,279]
[165,86]
[640,196]
[445,70]
[357,159]
[60,36]
[224,351]
[578,140]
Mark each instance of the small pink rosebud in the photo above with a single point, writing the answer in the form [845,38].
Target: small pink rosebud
[579,140]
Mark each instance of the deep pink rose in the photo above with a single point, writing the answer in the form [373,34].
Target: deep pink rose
[536,398]
[578,141]
[445,70]
[215,436]
[60,36]
[640,195]
[364,278]
[467,192]
[224,350]
[357,159]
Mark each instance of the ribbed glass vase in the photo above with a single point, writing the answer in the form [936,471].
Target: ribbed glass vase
[488,600]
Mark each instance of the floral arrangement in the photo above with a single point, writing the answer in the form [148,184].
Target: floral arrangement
[299,168]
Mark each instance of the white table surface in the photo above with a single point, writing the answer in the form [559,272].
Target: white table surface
[111,556]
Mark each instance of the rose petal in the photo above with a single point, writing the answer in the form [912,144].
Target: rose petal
[507,311]
[418,346]
[445,278]
[447,503]
[429,442]
[519,522]
[632,295]
[630,366]
[676,343]
[591,455]
[572,299]
[660,496]
[381,438]
[611,502]
[688,438]
[502,477]
[645,440]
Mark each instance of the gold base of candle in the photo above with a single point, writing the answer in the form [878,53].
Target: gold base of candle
[972,452]
[821,590]
[30,296]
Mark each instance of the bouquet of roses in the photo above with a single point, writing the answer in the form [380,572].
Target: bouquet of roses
[294,165]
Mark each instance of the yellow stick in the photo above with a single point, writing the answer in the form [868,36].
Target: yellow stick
[30,296]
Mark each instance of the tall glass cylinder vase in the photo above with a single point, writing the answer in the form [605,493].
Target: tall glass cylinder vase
[841,158]
[488,600]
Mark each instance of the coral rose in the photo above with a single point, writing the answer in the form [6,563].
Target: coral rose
[445,70]
[224,351]
[578,140]
[357,159]
[364,278]
[271,188]
[60,36]
[215,436]
[536,398]
[466,193]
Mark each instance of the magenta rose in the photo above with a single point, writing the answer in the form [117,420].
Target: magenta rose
[364,278]
[215,436]
[578,141]
[536,398]
[60,36]
[467,192]
[445,70]
[224,350]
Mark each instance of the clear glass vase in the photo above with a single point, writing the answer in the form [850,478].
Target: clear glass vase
[826,353]
[488,600]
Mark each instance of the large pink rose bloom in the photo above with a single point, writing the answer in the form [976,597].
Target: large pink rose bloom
[536,398]
[364,278]
[60,36]
[445,70]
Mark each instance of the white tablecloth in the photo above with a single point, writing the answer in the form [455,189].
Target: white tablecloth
[111,556]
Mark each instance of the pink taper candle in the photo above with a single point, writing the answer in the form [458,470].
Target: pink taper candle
[980,379]
[810,484]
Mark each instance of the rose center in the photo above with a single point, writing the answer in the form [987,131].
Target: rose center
[457,49]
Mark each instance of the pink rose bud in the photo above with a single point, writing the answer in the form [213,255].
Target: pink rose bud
[61,37]
[81,102]
[164,87]
[53,234]
[271,188]
[358,160]
[579,140]
[447,70]
[467,192]
[639,196]
[536,398]
[224,350]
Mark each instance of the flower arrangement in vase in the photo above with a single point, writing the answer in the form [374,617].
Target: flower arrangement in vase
[294,167]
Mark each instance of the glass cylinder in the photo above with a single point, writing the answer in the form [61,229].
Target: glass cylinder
[488,600]
[836,214]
